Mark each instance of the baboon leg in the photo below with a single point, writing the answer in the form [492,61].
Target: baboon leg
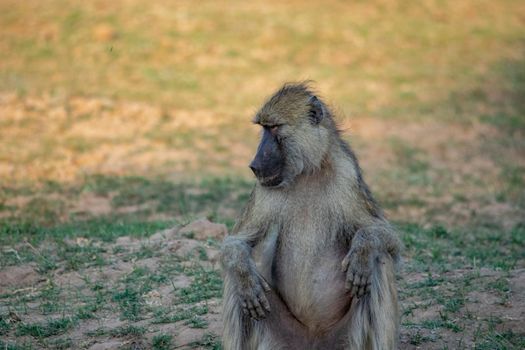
[374,318]
[278,331]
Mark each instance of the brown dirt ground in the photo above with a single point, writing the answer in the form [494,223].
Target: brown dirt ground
[480,304]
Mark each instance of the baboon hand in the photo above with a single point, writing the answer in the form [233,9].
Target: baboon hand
[251,291]
[358,267]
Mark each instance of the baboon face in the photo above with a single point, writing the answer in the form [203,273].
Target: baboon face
[295,136]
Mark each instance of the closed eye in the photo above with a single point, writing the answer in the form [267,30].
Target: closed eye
[273,129]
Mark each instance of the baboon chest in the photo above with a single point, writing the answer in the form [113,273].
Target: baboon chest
[307,272]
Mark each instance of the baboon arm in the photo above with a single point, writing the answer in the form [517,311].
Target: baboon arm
[251,226]
[380,237]
[367,245]
[383,236]
[390,241]
[236,258]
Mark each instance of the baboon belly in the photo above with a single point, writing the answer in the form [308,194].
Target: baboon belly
[313,288]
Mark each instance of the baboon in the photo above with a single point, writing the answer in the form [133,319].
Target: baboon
[311,261]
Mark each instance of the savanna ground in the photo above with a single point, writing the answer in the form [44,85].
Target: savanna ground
[123,121]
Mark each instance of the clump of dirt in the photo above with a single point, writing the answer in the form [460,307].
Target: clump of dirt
[203,228]
[18,277]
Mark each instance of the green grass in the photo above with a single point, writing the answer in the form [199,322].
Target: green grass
[86,312]
[26,345]
[162,342]
[490,338]
[130,302]
[5,324]
[60,343]
[442,323]
[197,322]
[128,330]
[73,257]
[418,339]
[441,249]
[164,315]
[135,284]
[106,229]
[208,341]
[46,329]
[206,284]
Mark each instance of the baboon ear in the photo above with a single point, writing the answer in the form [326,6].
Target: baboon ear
[316,113]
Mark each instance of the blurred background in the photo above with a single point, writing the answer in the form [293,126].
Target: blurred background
[125,117]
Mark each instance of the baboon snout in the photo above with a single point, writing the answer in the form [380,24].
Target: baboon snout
[256,168]
[266,169]
[268,162]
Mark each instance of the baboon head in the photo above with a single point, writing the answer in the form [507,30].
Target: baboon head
[297,129]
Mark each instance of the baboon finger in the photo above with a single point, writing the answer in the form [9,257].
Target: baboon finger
[360,280]
[348,284]
[345,262]
[350,276]
[264,302]
[244,308]
[265,285]
[361,291]
[365,280]
[252,311]
[258,308]
[354,289]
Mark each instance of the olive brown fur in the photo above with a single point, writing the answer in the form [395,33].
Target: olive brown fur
[311,262]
